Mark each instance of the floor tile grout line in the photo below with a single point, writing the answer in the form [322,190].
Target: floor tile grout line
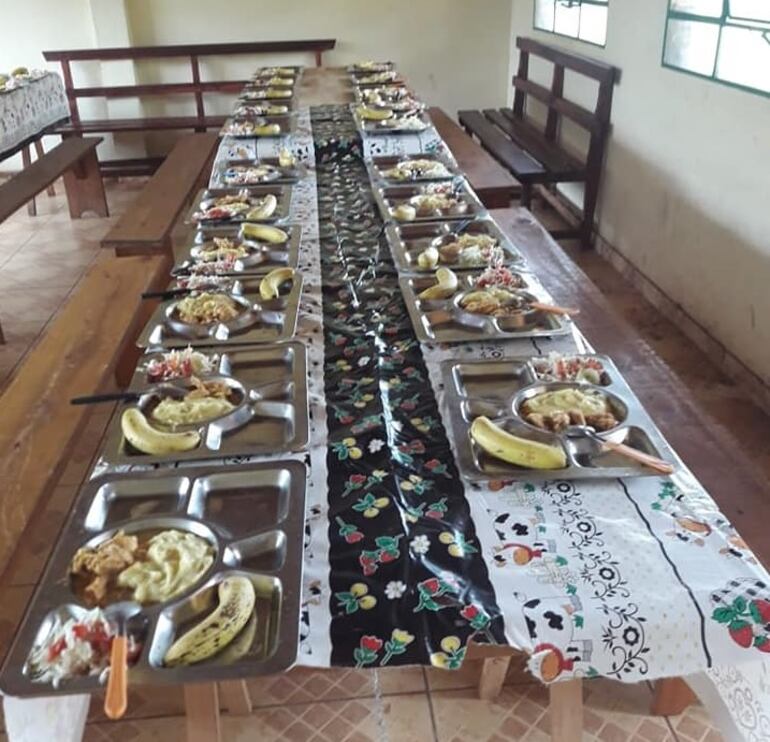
[431,710]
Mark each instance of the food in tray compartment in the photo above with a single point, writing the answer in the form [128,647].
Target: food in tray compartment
[270,71]
[434,199]
[206,400]
[238,175]
[270,285]
[76,647]
[264,233]
[499,276]
[148,439]
[179,364]
[417,170]
[172,563]
[558,367]
[385,95]
[205,277]
[428,258]
[206,308]
[264,209]
[251,127]
[262,93]
[95,569]
[374,114]
[235,608]
[406,123]
[468,250]
[241,205]
[150,566]
[378,77]
[369,65]
[514,449]
[557,410]
[250,110]
[286,157]
[494,302]
[445,286]
[221,248]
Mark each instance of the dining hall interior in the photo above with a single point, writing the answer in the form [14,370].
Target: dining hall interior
[385,372]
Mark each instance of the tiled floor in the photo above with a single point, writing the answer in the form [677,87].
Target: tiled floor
[41,261]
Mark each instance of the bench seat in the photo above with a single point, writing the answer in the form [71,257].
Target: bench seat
[159,123]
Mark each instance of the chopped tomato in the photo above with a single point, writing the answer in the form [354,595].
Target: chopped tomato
[56,649]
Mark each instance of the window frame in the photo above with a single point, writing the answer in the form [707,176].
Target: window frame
[721,21]
[599,3]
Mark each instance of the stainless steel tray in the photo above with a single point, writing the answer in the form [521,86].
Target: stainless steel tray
[257,109]
[408,240]
[271,418]
[379,166]
[267,70]
[277,174]
[362,81]
[259,93]
[287,122]
[254,517]
[494,389]
[263,257]
[384,91]
[444,321]
[370,128]
[356,70]
[281,213]
[388,197]
[261,322]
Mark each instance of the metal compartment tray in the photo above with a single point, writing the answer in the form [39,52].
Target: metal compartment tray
[261,321]
[271,417]
[371,128]
[263,258]
[252,514]
[495,388]
[444,321]
[408,240]
[281,213]
[278,174]
[378,166]
[388,197]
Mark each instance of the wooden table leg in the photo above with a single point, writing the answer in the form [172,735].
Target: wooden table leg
[566,709]
[492,677]
[85,188]
[26,161]
[39,151]
[671,697]
[235,697]
[202,706]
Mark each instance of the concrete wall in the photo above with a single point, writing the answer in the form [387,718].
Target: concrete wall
[686,192]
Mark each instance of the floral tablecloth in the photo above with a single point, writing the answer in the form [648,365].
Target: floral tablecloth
[26,110]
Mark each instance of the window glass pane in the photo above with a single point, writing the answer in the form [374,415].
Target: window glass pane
[544,10]
[567,19]
[712,8]
[692,45]
[593,23]
[758,10]
[744,58]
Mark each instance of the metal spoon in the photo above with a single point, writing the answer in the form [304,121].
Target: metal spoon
[116,698]
[653,462]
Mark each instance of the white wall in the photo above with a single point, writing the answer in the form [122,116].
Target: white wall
[686,190]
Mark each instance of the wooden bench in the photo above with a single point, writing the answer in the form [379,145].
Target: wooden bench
[492,183]
[146,226]
[200,122]
[533,150]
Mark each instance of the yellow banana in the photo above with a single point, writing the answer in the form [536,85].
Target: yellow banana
[374,114]
[264,233]
[267,130]
[428,258]
[515,450]
[142,436]
[444,288]
[404,213]
[286,158]
[269,286]
[265,210]
[236,606]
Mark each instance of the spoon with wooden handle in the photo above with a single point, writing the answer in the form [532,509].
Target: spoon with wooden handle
[652,462]
[116,697]
[553,308]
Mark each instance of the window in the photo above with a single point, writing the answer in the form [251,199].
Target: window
[725,40]
[581,19]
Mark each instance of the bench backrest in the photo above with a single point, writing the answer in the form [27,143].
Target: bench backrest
[596,122]
[193,51]
[145,227]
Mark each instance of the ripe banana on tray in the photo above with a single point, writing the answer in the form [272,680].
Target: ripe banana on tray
[266,209]
[267,130]
[514,450]
[286,158]
[374,114]
[269,286]
[236,606]
[264,233]
[142,436]
[444,288]
[428,258]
